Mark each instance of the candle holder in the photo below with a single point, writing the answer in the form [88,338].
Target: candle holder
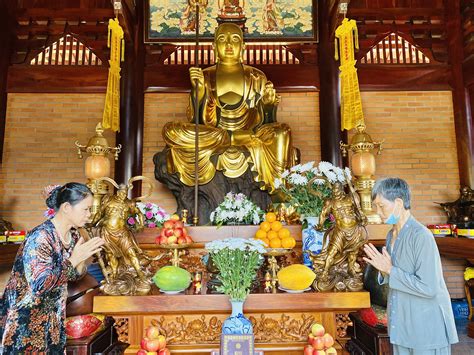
[176,251]
[272,253]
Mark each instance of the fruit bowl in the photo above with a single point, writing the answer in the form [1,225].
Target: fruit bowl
[278,251]
[175,246]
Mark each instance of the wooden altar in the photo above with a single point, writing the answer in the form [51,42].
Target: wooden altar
[192,323]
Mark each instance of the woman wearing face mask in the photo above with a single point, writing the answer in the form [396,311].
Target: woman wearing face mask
[421,320]
[32,308]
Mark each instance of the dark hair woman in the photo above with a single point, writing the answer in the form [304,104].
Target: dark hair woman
[32,308]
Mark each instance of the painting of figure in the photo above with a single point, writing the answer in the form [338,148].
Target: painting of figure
[282,20]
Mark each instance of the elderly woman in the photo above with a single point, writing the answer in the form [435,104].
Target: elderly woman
[419,309]
[33,306]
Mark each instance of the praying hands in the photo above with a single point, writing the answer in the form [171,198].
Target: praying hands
[381,261]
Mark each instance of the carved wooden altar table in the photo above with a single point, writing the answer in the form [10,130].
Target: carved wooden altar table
[192,323]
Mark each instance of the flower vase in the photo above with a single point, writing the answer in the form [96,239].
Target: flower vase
[312,239]
[237,323]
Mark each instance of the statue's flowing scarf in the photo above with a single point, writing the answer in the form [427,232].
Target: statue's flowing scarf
[111,116]
[351,104]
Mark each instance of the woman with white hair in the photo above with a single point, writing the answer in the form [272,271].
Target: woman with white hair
[421,320]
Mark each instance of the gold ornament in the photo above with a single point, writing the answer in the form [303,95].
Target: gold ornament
[351,103]
[111,115]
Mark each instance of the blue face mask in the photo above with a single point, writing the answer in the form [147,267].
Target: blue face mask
[392,219]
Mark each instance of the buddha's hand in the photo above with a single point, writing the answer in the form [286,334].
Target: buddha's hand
[270,96]
[197,78]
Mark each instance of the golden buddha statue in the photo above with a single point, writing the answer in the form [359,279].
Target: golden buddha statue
[237,121]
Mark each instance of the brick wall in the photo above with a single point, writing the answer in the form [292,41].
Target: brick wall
[420,145]
[39,149]
[299,110]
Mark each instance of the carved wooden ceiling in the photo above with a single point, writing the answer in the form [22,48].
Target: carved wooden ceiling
[39,23]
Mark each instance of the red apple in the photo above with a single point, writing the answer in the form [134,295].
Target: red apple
[152,332]
[169,224]
[328,340]
[310,338]
[182,240]
[188,239]
[317,330]
[178,224]
[164,351]
[141,352]
[164,240]
[308,350]
[162,233]
[150,344]
[178,232]
[331,351]
[157,239]
[319,352]
[162,342]
[318,343]
[185,232]
[169,232]
[172,240]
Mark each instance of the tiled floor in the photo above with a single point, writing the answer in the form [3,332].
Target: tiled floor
[466,344]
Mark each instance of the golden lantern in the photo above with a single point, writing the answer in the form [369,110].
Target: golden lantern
[97,164]
[363,168]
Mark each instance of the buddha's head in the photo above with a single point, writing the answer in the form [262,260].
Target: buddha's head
[229,44]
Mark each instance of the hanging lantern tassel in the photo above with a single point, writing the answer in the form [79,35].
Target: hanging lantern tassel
[351,103]
[111,116]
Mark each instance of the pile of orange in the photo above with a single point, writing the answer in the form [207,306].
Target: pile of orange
[273,234]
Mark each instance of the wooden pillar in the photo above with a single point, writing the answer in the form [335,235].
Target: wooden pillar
[130,161]
[463,122]
[6,42]
[329,100]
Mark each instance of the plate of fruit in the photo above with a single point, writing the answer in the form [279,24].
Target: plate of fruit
[174,235]
[274,234]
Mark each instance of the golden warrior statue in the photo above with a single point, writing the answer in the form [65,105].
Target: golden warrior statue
[337,261]
[123,254]
[237,117]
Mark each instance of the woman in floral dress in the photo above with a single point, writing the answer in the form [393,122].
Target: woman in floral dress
[32,309]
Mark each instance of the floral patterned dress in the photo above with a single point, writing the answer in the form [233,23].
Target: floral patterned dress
[33,306]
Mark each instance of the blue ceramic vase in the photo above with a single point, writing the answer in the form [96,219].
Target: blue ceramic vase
[312,239]
[237,323]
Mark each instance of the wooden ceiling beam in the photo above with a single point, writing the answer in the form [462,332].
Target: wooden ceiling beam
[398,13]
[78,14]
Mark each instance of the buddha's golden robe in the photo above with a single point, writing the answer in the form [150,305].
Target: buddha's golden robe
[232,138]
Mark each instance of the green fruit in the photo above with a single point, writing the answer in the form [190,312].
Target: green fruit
[172,278]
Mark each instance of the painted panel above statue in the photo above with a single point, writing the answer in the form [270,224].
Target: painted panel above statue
[282,20]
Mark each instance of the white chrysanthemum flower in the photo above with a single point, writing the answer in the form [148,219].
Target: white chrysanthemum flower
[295,168]
[348,173]
[277,183]
[306,167]
[297,179]
[285,174]
[331,175]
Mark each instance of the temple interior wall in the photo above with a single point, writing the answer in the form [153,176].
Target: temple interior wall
[418,128]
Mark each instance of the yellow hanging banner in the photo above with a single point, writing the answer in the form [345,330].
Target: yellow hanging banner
[351,103]
[111,116]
